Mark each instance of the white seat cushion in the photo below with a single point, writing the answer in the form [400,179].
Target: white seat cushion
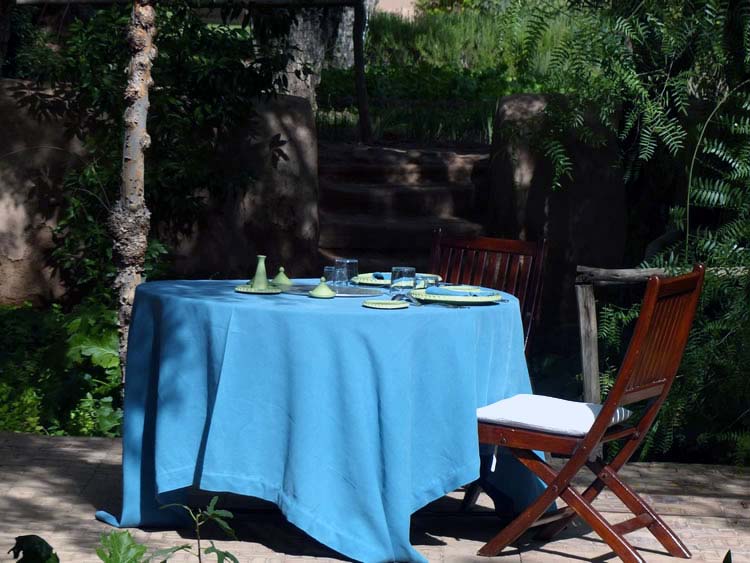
[547,414]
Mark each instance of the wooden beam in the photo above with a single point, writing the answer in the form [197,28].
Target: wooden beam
[589,345]
[587,275]
[360,25]
[604,276]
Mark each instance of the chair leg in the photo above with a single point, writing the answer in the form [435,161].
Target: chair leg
[470,496]
[607,476]
[593,518]
[637,505]
[575,501]
[518,526]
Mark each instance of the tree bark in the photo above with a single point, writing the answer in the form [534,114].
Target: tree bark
[129,219]
[319,37]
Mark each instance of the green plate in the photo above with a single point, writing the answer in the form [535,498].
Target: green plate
[422,295]
[385,304]
[250,289]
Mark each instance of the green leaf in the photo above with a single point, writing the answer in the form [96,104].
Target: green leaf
[162,555]
[120,547]
[102,350]
[221,555]
[33,550]
[224,526]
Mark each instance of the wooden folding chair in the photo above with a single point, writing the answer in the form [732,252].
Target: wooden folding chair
[646,375]
[513,266]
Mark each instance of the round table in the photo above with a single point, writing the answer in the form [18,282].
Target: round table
[348,418]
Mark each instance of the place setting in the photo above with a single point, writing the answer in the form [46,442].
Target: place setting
[394,290]
[409,288]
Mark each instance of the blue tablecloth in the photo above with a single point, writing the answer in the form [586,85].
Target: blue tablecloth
[349,419]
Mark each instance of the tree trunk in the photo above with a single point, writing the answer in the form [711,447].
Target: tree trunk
[319,37]
[129,220]
[5,7]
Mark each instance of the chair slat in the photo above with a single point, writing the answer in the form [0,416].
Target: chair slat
[513,266]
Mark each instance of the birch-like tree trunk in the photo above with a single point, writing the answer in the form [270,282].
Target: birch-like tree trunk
[129,220]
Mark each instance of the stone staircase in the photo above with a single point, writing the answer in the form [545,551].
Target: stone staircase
[381,205]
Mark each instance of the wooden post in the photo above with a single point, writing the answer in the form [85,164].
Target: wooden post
[360,23]
[129,218]
[589,345]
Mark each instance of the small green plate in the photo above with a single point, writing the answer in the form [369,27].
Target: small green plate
[250,289]
[422,295]
[385,304]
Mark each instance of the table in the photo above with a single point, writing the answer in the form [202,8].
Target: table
[349,419]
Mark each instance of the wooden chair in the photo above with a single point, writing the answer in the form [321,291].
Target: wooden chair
[513,266]
[646,375]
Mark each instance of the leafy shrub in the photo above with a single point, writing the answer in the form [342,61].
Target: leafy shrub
[59,372]
[121,547]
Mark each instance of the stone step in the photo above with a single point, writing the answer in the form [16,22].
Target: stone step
[391,200]
[344,152]
[349,231]
[460,172]
[378,261]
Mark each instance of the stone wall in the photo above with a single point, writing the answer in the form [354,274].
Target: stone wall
[276,214]
[584,222]
[34,157]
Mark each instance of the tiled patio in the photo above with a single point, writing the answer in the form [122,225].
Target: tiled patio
[51,487]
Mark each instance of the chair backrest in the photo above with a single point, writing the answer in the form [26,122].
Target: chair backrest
[661,332]
[513,266]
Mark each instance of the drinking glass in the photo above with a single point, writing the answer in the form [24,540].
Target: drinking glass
[339,278]
[350,267]
[423,282]
[329,273]
[402,280]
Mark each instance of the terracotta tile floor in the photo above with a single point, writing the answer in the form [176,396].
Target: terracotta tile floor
[51,487]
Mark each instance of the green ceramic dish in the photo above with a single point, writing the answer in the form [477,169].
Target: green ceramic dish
[422,295]
[385,304]
[250,289]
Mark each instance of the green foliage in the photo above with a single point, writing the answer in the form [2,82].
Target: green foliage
[33,550]
[208,77]
[59,372]
[419,102]
[438,77]
[706,415]
[121,547]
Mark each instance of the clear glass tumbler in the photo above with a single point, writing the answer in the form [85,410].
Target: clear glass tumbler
[350,267]
[403,279]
